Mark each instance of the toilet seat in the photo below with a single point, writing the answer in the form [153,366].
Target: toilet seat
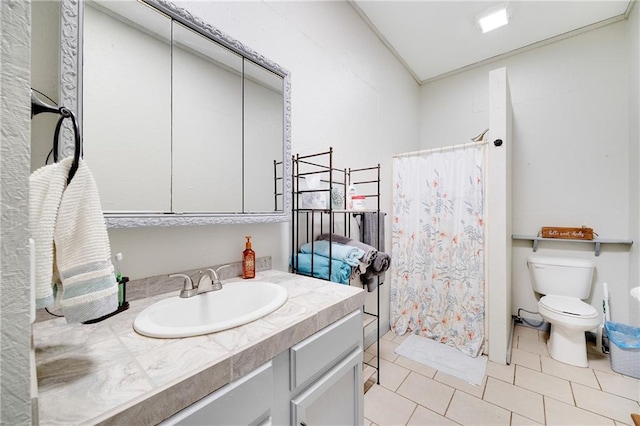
[570,306]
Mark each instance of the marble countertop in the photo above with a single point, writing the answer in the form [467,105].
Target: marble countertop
[106,373]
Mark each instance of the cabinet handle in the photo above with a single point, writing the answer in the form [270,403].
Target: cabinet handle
[303,424]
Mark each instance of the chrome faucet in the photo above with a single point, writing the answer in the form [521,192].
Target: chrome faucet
[188,290]
[209,281]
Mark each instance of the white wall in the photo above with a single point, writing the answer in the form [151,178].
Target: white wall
[15,339]
[634,157]
[348,92]
[571,144]
[499,214]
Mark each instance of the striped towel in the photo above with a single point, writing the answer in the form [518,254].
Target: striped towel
[45,192]
[82,282]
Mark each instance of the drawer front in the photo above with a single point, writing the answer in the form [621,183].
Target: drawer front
[316,354]
[336,398]
[247,401]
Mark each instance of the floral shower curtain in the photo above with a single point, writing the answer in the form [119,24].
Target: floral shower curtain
[437,268]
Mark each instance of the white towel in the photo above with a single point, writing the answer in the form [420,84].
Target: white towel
[82,281]
[45,192]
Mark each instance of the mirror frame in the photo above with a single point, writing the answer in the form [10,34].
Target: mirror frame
[71,32]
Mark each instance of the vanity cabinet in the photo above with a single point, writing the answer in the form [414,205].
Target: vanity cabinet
[334,398]
[316,382]
[319,380]
[247,401]
[326,375]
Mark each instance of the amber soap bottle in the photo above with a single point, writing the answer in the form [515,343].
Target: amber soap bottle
[248,260]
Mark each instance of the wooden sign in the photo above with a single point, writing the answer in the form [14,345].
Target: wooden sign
[567,233]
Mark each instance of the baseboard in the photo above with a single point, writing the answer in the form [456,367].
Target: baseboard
[370,338]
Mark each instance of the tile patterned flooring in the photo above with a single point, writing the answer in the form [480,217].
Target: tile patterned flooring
[534,389]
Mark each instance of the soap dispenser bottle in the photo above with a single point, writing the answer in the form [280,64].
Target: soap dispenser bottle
[248,260]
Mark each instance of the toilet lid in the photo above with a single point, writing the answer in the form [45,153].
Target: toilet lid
[568,306]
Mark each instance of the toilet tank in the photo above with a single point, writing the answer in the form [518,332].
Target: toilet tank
[561,276]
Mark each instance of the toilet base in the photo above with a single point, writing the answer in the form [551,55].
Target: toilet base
[568,346]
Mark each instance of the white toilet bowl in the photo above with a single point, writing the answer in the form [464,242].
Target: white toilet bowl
[570,318]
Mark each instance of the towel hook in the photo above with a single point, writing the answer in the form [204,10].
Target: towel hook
[37,107]
[77,151]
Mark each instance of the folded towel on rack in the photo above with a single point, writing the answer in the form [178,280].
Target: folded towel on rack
[356,271]
[340,271]
[348,254]
[369,251]
[371,225]
[374,275]
[373,264]
[380,263]
[67,224]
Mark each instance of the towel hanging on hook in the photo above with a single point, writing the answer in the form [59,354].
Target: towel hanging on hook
[37,107]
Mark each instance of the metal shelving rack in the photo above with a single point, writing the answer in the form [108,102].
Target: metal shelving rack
[334,218]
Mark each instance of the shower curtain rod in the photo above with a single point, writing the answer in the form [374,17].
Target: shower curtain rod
[441,149]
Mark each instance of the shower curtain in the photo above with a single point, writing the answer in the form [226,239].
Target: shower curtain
[437,267]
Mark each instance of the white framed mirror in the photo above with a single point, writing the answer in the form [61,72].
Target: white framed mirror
[194,131]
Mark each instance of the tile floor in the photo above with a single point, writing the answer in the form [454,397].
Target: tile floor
[534,389]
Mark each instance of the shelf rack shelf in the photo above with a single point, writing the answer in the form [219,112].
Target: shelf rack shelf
[597,241]
[335,219]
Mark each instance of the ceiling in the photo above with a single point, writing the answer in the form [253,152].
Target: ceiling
[435,38]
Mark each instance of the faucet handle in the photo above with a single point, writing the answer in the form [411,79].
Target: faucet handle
[188,289]
[223,267]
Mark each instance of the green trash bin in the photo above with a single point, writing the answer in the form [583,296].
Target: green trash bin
[624,348]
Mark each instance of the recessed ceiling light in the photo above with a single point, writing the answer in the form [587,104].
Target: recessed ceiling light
[495,18]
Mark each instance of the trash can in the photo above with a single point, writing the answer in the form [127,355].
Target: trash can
[624,348]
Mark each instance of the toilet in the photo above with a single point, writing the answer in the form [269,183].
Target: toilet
[564,283]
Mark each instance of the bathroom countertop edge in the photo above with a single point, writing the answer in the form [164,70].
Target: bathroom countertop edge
[317,303]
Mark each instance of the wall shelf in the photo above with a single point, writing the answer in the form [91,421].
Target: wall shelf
[597,241]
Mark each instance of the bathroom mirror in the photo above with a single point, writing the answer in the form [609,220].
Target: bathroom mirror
[196,130]
[207,125]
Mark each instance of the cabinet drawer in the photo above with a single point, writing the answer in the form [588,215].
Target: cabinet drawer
[316,354]
[336,398]
[247,401]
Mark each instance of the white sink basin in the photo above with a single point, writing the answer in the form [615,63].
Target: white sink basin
[236,304]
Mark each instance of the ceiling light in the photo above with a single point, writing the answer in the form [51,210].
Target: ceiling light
[493,19]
